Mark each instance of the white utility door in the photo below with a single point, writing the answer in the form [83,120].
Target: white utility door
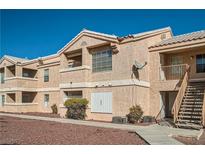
[101,102]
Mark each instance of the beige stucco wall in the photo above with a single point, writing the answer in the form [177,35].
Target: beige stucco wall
[124,96]
[20,108]
[53,99]
[188,56]
[122,99]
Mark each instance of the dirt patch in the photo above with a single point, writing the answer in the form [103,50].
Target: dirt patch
[192,140]
[24,131]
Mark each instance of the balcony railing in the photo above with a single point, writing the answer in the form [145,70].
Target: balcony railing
[172,72]
[181,92]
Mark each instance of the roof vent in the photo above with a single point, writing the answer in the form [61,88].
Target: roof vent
[40,61]
[163,36]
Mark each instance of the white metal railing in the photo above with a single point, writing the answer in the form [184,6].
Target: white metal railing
[172,72]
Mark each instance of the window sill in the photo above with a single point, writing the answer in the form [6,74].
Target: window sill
[84,67]
[19,104]
[107,71]
[22,78]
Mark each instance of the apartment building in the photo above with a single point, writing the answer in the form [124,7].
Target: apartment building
[153,69]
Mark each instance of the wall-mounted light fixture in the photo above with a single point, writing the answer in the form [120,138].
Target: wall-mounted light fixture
[191,57]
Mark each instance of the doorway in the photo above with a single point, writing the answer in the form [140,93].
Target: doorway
[167,102]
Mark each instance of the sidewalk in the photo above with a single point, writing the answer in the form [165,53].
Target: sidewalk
[153,134]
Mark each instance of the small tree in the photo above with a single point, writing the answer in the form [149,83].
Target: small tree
[54,109]
[135,113]
[76,108]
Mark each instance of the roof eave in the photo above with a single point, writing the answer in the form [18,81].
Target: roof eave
[88,33]
[176,46]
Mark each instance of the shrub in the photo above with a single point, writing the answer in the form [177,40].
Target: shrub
[135,113]
[54,109]
[76,108]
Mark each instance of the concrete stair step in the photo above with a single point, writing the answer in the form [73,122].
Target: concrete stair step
[192,106]
[189,125]
[189,121]
[189,93]
[190,113]
[189,117]
[192,95]
[196,83]
[201,92]
[191,109]
[195,87]
[193,99]
[197,103]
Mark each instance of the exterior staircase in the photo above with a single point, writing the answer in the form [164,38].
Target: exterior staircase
[190,111]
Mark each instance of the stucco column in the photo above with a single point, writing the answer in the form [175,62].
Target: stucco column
[19,71]
[85,57]
[87,61]
[63,61]
[18,97]
[6,72]
[6,100]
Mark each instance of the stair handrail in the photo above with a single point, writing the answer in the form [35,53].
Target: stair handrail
[203,111]
[180,94]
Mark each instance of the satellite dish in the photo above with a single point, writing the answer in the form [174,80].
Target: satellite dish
[139,65]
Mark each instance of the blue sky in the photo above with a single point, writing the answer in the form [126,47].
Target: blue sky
[35,33]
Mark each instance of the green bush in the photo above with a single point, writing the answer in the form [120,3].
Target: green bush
[54,109]
[135,113]
[76,108]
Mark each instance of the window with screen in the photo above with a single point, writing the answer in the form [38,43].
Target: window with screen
[200,63]
[46,75]
[102,61]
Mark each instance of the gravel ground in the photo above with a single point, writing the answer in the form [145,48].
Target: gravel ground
[24,131]
[192,140]
[51,115]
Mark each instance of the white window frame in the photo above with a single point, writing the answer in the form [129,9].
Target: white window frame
[46,75]
[46,100]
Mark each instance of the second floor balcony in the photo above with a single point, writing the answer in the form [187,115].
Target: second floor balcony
[16,76]
[172,72]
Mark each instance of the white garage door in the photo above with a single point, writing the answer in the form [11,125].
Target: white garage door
[101,102]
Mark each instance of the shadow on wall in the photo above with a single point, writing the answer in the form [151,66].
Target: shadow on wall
[135,72]
[135,69]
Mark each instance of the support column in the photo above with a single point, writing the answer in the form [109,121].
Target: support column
[85,57]
[18,71]
[6,72]
[6,98]
[18,97]
[87,60]
[63,61]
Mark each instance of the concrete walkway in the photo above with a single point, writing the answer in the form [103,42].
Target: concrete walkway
[153,134]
